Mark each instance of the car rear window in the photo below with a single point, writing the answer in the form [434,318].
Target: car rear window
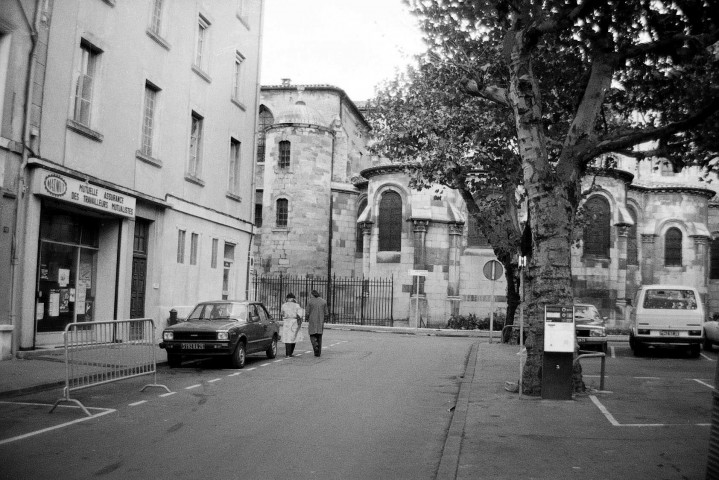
[219,311]
[670,299]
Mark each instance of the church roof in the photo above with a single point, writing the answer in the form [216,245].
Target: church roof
[301,113]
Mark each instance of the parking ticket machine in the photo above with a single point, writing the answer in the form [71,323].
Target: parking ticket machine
[559,345]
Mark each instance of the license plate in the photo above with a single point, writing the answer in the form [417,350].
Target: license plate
[673,333]
[580,339]
[193,346]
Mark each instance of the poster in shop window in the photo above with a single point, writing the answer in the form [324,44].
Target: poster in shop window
[54,304]
[63,277]
[64,300]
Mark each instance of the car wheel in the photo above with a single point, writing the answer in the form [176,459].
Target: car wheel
[174,360]
[272,349]
[239,357]
[707,344]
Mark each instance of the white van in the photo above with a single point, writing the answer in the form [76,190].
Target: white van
[667,315]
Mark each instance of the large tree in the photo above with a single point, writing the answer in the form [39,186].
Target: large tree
[579,80]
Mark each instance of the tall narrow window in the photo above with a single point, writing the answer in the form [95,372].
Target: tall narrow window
[181,246]
[156,20]
[284,154]
[596,228]
[203,26]
[258,208]
[390,222]
[193,167]
[266,119]
[227,270]
[359,237]
[234,173]
[632,250]
[282,212]
[475,237]
[213,258]
[714,259]
[194,241]
[673,248]
[148,119]
[85,84]
[237,76]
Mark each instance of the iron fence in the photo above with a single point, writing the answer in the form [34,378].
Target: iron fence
[354,301]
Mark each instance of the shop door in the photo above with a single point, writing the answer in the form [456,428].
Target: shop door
[139,270]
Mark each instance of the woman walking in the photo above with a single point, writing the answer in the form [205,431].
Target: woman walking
[292,315]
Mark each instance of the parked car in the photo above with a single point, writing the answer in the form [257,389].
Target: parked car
[667,315]
[711,334]
[227,328]
[589,328]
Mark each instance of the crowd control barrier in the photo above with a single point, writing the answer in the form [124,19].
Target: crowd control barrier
[104,352]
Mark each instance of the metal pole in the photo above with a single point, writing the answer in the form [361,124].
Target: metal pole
[491,305]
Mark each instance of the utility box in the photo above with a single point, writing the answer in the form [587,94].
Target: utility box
[559,344]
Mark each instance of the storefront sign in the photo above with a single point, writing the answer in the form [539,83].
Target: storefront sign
[80,193]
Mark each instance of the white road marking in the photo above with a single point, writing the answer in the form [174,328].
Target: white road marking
[647,378]
[103,411]
[703,383]
[708,357]
[214,380]
[193,386]
[138,403]
[615,423]
[250,369]
[308,351]
[604,410]
[278,361]
[167,394]
[234,374]
[298,355]
[264,364]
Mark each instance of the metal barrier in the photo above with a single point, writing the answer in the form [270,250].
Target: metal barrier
[104,352]
[594,355]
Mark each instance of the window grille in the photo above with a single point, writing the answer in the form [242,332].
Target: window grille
[282,212]
[673,248]
[390,222]
[596,229]
[284,154]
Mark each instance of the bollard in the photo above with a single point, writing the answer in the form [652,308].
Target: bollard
[173,317]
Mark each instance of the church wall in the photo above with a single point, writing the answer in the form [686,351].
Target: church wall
[344,226]
[476,291]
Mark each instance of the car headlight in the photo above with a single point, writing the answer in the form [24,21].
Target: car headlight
[597,333]
[168,335]
[223,336]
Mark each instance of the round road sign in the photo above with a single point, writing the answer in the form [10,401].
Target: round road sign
[493,270]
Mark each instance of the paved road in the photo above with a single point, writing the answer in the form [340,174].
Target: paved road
[373,406]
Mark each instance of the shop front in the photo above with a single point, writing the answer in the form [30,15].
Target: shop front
[80,240]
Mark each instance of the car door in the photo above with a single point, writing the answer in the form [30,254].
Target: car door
[254,329]
[266,325]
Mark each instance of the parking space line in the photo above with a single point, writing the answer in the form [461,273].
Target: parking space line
[278,361]
[264,364]
[308,351]
[708,357]
[604,410]
[138,403]
[250,369]
[103,411]
[193,386]
[167,394]
[646,378]
[703,383]
[214,380]
[615,423]
[234,374]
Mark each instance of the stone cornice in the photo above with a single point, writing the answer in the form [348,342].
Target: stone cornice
[382,170]
[666,188]
[622,175]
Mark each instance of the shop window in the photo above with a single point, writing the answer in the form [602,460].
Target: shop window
[390,222]
[284,154]
[673,248]
[596,228]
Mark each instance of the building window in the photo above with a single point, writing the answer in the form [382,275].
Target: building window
[227,270]
[85,84]
[237,76]
[266,119]
[632,249]
[475,238]
[193,167]
[596,228]
[282,212]
[673,248]
[156,20]
[203,26]
[234,174]
[390,222]
[213,258]
[284,154]
[181,246]
[148,119]
[714,259]
[194,241]
[258,208]
[359,236]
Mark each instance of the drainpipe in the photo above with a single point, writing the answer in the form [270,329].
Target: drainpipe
[21,184]
[254,150]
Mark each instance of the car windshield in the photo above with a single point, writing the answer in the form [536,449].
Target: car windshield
[219,311]
[670,299]
[586,313]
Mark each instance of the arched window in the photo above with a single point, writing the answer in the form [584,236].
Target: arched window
[284,161]
[359,236]
[282,212]
[596,228]
[714,259]
[632,250]
[390,222]
[475,238]
[266,119]
[673,248]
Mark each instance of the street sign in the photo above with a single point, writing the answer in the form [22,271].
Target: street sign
[493,270]
[418,273]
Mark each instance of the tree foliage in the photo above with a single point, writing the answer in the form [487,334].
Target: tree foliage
[549,87]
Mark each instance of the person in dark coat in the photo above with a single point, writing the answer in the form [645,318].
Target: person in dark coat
[317,312]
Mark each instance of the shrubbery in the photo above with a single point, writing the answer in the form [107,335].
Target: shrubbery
[472,322]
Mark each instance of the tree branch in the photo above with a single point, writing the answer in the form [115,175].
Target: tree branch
[493,94]
[564,18]
[666,45]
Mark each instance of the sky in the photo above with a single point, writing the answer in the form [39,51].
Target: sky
[350,44]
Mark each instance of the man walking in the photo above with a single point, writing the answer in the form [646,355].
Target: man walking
[317,312]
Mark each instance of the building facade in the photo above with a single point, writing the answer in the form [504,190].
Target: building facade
[325,206]
[128,167]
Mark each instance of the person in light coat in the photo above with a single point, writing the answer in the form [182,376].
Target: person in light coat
[317,313]
[292,315]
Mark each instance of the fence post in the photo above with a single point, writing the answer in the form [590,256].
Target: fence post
[391,303]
